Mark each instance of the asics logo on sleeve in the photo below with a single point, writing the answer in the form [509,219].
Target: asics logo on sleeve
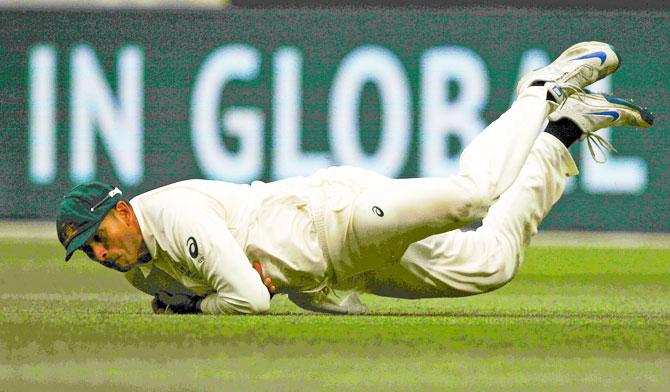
[611,113]
[600,55]
[192,247]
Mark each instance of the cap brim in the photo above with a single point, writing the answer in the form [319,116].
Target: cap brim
[79,241]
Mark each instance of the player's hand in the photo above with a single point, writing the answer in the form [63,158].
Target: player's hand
[266,279]
[179,303]
[158,306]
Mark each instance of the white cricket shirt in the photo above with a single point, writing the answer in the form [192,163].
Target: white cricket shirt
[206,234]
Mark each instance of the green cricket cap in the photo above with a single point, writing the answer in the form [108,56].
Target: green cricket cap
[81,211]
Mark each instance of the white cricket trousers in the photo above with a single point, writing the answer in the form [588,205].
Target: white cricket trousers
[400,235]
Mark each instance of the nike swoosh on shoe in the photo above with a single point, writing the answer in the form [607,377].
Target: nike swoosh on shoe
[601,55]
[612,113]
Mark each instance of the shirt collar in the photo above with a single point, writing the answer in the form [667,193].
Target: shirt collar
[147,236]
[147,233]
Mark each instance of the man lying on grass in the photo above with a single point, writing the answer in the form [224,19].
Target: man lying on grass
[216,247]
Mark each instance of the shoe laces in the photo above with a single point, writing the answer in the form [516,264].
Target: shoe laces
[570,82]
[595,141]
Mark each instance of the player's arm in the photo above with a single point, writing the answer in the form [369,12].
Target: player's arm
[209,248]
[323,301]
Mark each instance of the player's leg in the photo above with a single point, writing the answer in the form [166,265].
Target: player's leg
[466,263]
[460,263]
[390,215]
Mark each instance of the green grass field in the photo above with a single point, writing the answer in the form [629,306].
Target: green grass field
[573,319]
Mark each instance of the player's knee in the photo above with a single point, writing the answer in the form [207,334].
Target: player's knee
[500,263]
[504,268]
[503,275]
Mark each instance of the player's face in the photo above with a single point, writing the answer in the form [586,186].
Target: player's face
[116,244]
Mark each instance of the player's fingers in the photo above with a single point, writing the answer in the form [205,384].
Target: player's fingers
[157,306]
[258,268]
[273,289]
[267,282]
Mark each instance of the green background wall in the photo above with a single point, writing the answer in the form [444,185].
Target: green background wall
[172,47]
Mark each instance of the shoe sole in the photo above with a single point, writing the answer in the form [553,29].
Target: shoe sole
[646,115]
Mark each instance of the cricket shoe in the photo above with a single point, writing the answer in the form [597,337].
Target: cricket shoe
[577,67]
[594,111]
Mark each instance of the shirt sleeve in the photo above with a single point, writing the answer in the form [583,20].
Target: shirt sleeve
[207,247]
